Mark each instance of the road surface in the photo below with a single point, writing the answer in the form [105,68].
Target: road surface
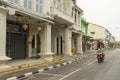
[86,69]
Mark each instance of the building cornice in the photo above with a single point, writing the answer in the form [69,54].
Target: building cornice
[25,11]
[78,8]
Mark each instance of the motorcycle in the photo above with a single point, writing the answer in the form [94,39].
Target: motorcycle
[100,58]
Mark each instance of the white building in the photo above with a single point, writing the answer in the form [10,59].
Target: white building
[76,29]
[99,33]
[112,39]
[66,17]
[51,26]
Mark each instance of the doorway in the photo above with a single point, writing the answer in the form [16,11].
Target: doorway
[36,44]
[59,45]
[15,42]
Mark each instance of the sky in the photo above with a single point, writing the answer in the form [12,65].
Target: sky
[103,12]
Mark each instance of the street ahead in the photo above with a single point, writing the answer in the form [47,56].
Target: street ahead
[87,69]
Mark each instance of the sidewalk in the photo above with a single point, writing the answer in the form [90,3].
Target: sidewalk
[28,63]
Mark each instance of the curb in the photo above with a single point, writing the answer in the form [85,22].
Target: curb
[45,69]
[27,65]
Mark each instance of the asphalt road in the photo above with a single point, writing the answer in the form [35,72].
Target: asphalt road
[86,69]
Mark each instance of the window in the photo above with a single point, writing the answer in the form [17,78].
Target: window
[58,5]
[75,18]
[54,2]
[39,5]
[83,30]
[72,12]
[92,32]
[64,6]
[33,41]
[14,1]
[78,18]
[28,4]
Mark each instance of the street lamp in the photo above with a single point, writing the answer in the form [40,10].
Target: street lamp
[24,26]
[39,28]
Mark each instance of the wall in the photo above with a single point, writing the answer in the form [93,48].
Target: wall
[84,26]
[99,31]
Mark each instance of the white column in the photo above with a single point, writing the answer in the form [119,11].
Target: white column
[68,42]
[77,17]
[21,3]
[79,44]
[30,46]
[47,40]
[3,20]
[74,15]
[31,32]
[80,21]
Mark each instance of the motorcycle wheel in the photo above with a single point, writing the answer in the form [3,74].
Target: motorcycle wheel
[99,60]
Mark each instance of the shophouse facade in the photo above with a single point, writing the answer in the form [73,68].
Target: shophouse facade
[25,32]
[112,42]
[67,15]
[38,27]
[84,28]
[99,33]
[61,10]
[76,30]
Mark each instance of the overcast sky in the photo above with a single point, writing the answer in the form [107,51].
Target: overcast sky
[103,12]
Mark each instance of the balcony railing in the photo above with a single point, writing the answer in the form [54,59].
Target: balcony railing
[77,27]
[62,14]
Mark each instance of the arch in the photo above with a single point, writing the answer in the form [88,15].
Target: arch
[59,45]
[38,43]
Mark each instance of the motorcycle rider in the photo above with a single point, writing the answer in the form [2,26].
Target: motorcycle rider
[103,50]
[100,50]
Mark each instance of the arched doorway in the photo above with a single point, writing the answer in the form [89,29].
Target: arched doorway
[74,42]
[38,44]
[33,46]
[59,45]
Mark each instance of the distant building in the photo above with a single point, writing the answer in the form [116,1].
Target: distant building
[100,33]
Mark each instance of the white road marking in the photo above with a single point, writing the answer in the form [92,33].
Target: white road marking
[50,67]
[51,74]
[70,74]
[41,70]
[91,62]
[64,63]
[12,78]
[28,74]
[69,62]
[58,65]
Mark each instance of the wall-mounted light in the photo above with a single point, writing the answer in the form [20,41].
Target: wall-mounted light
[39,28]
[24,26]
